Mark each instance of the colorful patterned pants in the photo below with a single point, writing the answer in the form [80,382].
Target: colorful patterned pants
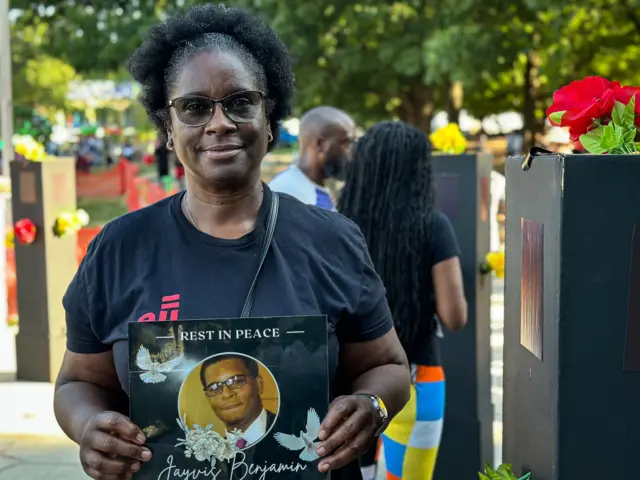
[412,439]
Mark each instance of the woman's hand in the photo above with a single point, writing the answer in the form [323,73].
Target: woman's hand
[347,431]
[110,447]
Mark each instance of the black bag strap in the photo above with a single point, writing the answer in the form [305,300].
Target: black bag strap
[268,237]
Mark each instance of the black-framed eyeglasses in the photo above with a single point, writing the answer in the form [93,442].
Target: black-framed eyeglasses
[239,107]
[232,383]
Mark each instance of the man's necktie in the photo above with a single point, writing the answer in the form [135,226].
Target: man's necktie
[241,443]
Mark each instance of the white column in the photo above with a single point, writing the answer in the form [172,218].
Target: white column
[6,101]
[7,336]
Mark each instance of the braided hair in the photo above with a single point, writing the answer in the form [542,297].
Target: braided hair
[388,193]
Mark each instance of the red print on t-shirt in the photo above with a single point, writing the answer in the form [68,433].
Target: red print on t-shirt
[170,304]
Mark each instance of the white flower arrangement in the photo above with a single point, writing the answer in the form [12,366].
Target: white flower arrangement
[207,445]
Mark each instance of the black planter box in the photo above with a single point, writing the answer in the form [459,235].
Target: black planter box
[572,317]
[462,184]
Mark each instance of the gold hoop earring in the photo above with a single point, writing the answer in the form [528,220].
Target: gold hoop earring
[170,145]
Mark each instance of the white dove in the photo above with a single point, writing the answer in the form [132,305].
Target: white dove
[155,370]
[305,441]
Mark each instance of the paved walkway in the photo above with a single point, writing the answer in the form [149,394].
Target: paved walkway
[32,446]
[39,458]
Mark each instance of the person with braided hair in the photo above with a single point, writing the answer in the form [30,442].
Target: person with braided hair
[216,82]
[389,194]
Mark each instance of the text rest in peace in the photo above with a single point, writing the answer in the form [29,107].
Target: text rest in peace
[238,334]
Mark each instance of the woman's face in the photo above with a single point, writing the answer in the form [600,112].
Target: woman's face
[222,152]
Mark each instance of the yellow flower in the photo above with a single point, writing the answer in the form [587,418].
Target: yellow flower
[495,260]
[30,149]
[21,149]
[81,217]
[9,239]
[68,223]
[65,224]
[449,139]
[5,185]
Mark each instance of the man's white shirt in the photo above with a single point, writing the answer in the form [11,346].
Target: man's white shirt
[294,182]
[257,429]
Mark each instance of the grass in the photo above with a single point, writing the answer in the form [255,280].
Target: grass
[102,210]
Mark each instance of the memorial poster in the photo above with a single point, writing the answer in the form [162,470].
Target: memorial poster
[230,398]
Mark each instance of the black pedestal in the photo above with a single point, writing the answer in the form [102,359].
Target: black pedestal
[463,185]
[44,268]
[572,337]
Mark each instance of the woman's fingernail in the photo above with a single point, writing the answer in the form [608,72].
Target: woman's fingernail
[321,451]
[324,467]
[322,434]
[146,455]
[135,467]
[141,439]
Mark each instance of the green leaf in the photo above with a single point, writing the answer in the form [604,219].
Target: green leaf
[629,135]
[505,471]
[597,131]
[629,113]
[556,117]
[617,115]
[502,473]
[591,143]
[493,475]
[608,139]
[619,133]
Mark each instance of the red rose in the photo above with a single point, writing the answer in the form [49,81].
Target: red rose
[574,137]
[25,231]
[624,94]
[582,102]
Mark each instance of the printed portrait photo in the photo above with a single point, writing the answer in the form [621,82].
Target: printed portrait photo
[233,393]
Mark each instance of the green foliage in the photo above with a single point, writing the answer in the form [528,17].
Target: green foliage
[38,78]
[379,59]
[502,473]
[618,136]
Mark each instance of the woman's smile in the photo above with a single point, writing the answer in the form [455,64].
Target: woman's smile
[222,153]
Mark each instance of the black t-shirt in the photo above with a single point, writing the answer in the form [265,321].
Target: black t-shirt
[442,246]
[318,264]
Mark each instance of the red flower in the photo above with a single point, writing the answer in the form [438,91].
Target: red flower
[582,102]
[624,94]
[25,231]
[574,137]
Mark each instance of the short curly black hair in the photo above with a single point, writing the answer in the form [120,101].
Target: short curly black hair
[204,27]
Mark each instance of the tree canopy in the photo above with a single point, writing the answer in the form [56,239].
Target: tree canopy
[381,59]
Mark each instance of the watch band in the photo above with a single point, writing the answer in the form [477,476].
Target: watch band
[380,407]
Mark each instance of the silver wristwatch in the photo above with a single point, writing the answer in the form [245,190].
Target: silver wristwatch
[381,408]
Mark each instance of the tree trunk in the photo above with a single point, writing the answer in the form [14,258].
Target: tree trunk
[454,103]
[417,107]
[532,125]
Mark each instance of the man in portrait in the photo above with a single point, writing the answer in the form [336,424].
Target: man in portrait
[233,386]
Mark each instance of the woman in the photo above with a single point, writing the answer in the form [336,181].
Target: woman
[217,82]
[389,194]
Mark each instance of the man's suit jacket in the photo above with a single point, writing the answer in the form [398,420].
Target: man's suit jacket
[271,417]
